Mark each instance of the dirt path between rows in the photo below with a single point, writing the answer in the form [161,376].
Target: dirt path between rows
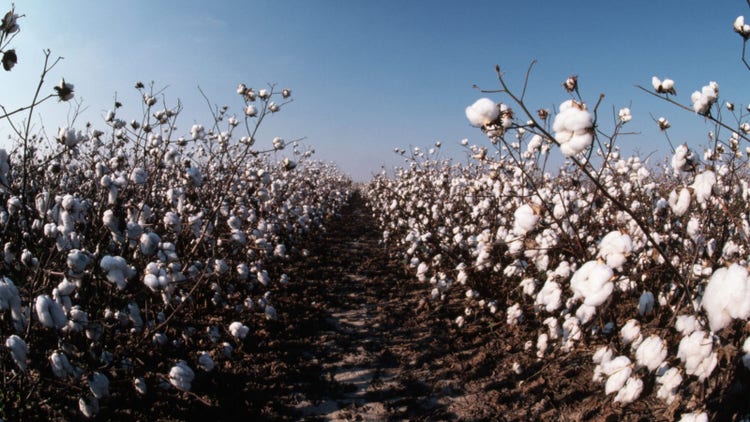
[367,347]
[355,340]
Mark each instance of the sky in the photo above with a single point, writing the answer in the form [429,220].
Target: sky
[368,76]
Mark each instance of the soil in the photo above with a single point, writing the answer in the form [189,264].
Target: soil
[357,339]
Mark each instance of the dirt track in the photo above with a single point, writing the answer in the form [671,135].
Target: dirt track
[356,341]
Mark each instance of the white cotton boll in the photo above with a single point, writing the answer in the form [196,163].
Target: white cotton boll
[541,345]
[77,261]
[646,303]
[160,339]
[89,406]
[669,381]
[602,355]
[525,219]
[679,202]
[696,352]
[549,296]
[592,282]
[238,330]
[745,357]
[656,83]
[585,313]
[49,312]
[573,128]
[140,386]
[615,248]
[149,243]
[576,143]
[99,385]
[181,376]
[118,270]
[60,365]
[694,417]
[727,296]
[702,186]
[651,353]
[172,221]
[270,313]
[630,333]
[422,270]
[624,115]
[631,391]
[205,362]
[18,351]
[139,176]
[528,285]
[263,277]
[618,371]
[110,221]
[194,176]
[10,299]
[482,112]
[513,314]
[686,324]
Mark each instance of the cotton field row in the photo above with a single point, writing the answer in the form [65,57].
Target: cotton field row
[641,265]
[131,241]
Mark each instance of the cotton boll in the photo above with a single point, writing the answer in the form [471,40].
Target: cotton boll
[615,248]
[573,128]
[18,350]
[149,243]
[238,330]
[651,353]
[49,312]
[483,112]
[592,282]
[745,357]
[205,362]
[727,296]
[696,352]
[270,313]
[679,202]
[585,313]
[525,219]
[646,303]
[89,406]
[702,186]
[602,355]
[140,386]
[60,365]
[263,277]
[668,383]
[514,314]
[181,376]
[10,299]
[618,371]
[686,324]
[77,261]
[631,391]
[541,345]
[99,385]
[630,333]
[694,417]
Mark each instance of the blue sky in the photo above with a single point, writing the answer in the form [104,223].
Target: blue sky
[370,76]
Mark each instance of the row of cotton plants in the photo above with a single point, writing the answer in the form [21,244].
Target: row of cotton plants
[139,255]
[641,264]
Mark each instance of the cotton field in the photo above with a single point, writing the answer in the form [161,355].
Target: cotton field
[642,265]
[152,261]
